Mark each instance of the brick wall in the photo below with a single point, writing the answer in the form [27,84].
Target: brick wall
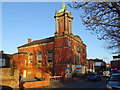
[8,79]
[35,84]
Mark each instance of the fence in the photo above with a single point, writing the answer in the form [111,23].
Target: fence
[55,78]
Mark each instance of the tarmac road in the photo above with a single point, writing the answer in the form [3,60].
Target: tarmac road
[80,84]
[87,84]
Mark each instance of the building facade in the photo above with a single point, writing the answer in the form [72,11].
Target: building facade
[5,60]
[96,65]
[56,55]
[91,65]
[115,63]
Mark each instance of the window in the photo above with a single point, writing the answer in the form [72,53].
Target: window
[3,62]
[25,63]
[56,26]
[84,51]
[115,78]
[78,49]
[49,56]
[30,57]
[60,23]
[69,43]
[79,58]
[69,27]
[39,57]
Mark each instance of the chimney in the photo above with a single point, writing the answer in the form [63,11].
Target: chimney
[29,40]
[2,51]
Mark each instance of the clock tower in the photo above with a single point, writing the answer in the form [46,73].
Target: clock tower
[63,20]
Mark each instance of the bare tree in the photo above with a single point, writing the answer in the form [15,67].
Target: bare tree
[103,20]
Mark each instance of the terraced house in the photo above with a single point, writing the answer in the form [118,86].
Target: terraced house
[55,55]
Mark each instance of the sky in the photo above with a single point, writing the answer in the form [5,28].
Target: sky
[35,20]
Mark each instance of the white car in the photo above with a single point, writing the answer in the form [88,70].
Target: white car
[106,73]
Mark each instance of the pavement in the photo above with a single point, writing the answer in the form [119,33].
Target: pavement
[55,84]
[60,84]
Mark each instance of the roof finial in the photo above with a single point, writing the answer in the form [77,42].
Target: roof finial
[63,7]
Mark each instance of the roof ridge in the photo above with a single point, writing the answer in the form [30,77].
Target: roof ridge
[45,40]
[42,39]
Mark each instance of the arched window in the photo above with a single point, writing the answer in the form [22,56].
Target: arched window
[49,56]
[39,57]
[30,57]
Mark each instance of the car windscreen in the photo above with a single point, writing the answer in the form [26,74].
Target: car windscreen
[115,78]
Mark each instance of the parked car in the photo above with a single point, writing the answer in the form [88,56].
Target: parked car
[114,81]
[94,77]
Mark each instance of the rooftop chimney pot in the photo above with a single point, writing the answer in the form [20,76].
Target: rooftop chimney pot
[29,40]
[2,51]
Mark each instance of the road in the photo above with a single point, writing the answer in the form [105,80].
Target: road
[87,84]
[80,84]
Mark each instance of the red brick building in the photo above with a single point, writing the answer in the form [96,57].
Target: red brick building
[96,65]
[91,65]
[54,54]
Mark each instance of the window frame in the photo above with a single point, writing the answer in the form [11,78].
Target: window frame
[69,27]
[60,23]
[30,57]
[39,59]
[69,43]
[50,52]
[3,62]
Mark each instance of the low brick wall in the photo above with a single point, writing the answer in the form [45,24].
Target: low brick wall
[35,84]
[8,79]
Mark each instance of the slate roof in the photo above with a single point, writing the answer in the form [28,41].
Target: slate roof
[20,53]
[46,40]
[5,56]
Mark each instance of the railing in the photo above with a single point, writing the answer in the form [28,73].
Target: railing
[55,78]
